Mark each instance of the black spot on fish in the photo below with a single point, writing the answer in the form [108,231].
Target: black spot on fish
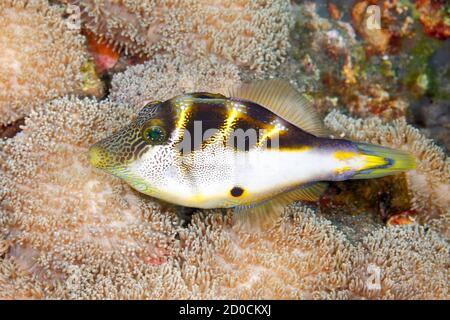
[236,192]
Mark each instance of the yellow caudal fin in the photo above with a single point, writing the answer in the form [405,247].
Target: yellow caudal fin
[382,161]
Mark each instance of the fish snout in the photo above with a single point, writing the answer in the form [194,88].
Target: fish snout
[98,156]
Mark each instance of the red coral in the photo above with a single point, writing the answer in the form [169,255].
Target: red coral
[432,17]
[105,57]
[403,218]
[334,11]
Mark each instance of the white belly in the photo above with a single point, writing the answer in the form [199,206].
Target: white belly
[259,172]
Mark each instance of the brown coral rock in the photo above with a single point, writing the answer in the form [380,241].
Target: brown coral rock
[434,16]
[365,22]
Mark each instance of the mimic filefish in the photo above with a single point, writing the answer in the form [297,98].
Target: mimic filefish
[256,150]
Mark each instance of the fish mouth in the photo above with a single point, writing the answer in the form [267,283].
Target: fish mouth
[101,157]
[98,157]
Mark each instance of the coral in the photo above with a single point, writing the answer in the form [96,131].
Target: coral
[363,83]
[40,58]
[429,183]
[412,264]
[163,77]
[68,231]
[77,228]
[364,22]
[385,200]
[303,257]
[417,74]
[16,283]
[317,40]
[249,33]
[85,235]
[104,56]
[435,18]
[384,75]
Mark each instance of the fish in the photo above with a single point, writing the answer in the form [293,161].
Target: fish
[255,149]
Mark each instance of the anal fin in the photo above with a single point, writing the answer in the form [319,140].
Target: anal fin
[263,215]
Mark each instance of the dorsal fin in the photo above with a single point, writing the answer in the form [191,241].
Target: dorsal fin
[282,99]
[264,215]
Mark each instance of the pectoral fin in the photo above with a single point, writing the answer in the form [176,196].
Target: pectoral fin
[263,215]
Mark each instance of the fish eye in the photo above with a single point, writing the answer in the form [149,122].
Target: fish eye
[154,133]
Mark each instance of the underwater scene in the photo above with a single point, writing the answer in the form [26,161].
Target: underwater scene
[224,149]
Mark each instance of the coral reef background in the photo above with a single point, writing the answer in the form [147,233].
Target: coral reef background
[36,41]
[69,231]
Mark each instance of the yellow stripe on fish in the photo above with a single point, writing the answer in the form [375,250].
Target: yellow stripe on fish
[358,161]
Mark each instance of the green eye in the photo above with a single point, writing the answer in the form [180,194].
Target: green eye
[154,134]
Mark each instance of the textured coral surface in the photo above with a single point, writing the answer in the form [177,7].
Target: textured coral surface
[250,33]
[40,57]
[70,231]
[163,77]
